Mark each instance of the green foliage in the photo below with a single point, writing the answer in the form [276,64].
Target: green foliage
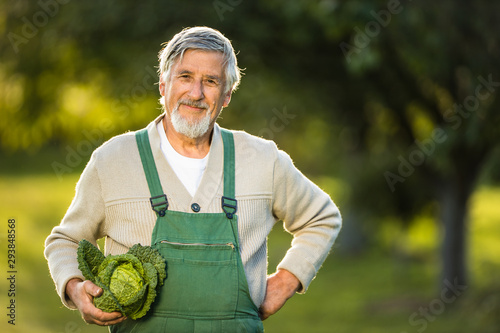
[375,286]
[89,259]
[87,73]
[148,255]
[129,281]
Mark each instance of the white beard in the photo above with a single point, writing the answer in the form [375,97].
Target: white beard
[191,129]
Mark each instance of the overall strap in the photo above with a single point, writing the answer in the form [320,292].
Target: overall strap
[229,203]
[158,199]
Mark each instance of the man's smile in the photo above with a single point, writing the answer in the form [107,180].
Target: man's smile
[193,108]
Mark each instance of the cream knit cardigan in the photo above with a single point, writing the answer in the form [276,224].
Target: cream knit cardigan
[112,201]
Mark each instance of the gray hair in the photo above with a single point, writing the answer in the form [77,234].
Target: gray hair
[201,38]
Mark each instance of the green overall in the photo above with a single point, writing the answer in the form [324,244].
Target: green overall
[206,289]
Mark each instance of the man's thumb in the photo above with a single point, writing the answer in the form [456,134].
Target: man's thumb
[96,291]
[92,289]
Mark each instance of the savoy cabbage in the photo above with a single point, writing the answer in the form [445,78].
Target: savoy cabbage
[130,281]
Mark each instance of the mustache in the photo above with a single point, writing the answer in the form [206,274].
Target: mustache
[193,103]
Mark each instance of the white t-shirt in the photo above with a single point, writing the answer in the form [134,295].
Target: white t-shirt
[188,170]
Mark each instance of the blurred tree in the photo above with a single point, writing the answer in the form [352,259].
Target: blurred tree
[426,78]
[67,66]
[398,97]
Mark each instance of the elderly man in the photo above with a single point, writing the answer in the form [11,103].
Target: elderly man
[220,193]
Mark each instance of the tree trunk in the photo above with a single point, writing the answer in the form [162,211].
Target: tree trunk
[454,195]
[454,214]
[454,199]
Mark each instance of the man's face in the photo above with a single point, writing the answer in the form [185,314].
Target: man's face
[194,93]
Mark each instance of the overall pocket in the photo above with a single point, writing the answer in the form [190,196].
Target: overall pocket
[202,280]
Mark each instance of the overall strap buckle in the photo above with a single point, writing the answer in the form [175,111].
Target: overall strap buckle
[230,207]
[157,201]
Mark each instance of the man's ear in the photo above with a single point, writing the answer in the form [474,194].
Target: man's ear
[227,99]
[161,84]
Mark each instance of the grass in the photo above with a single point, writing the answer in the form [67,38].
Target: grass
[371,292]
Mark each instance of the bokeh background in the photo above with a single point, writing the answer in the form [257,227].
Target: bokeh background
[392,107]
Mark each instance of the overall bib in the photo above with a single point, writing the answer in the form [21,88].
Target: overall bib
[206,289]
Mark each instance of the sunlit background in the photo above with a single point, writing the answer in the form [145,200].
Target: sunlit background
[392,107]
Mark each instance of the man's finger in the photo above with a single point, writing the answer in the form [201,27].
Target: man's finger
[91,288]
[102,316]
[109,322]
[116,321]
[109,316]
[263,315]
[99,317]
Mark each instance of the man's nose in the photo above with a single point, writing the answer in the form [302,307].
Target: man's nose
[196,91]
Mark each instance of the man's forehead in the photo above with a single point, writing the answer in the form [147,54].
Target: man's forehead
[200,60]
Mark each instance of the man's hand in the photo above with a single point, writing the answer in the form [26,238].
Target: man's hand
[280,287]
[82,293]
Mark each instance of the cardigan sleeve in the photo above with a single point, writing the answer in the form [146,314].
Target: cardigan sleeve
[83,220]
[309,214]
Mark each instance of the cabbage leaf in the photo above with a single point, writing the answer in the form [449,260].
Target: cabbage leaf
[130,281]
